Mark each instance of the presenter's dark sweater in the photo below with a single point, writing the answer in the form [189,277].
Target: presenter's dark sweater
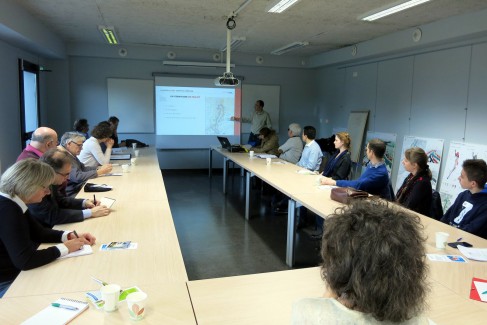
[474,220]
[374,180]
[20,236]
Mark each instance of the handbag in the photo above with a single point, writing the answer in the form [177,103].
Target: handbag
[347,194]
[90,187]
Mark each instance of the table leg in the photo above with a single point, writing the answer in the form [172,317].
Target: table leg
[291,233]
[225,170]
[210,161]
[248,176]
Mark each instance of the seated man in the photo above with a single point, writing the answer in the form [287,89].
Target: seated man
[312,155]
[291,150]
[55,209]
[375,179]
[469,211]
[43,139]
[72,142]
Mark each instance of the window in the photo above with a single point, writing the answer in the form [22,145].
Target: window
[29,99]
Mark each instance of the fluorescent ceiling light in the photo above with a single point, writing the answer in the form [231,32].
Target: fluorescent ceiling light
[392,10]
[109,34]
[236,42]
[196,64]
[282,5]
[289,47]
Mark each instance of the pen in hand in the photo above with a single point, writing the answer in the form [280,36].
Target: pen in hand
[94,199]
[54,304]
[75,233]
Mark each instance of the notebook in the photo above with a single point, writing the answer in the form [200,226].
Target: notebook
[55,315]
[106,201]
[87,250]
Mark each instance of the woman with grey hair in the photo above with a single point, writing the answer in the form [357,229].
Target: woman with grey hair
[25,182]
[72,142]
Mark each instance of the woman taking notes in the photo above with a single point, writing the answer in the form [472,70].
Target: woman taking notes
[415,192]
[338,167]
[25,182]
[91,154]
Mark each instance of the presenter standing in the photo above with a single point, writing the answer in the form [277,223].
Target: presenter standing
[258,120]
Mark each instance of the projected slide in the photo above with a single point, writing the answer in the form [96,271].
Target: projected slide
[195,110]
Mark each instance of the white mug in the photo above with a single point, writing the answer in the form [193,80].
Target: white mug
[136,305]
[133,161]
[125,168]
[251,154]
[134,146]
[136,152]
[268,161]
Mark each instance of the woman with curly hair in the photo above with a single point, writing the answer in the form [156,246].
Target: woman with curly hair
[91,154]
[373,266]
[415,192]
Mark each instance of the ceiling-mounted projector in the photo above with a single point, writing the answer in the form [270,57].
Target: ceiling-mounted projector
[227,80]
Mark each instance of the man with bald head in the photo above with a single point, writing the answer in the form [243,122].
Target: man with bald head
[43,139]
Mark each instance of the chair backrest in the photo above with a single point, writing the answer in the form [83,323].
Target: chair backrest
[436,209]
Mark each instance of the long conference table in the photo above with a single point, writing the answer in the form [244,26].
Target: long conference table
[141,214]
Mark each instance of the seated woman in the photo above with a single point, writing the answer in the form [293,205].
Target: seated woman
[25,182]
[369,281]
[416,192]
[269,142]
[91,155]
[339,165]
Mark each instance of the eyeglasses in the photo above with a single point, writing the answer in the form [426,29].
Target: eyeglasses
[63,175]
[78,144]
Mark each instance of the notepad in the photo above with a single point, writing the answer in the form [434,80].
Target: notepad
[106,201]
[87,250]
[58,316]
[121,157]
[264,155]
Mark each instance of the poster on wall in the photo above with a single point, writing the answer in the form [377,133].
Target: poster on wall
[459,151]
[434,151]
[390,140]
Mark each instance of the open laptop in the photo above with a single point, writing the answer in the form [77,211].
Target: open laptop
[232,148]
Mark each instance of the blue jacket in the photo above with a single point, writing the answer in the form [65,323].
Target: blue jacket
[374,180]
[469,213]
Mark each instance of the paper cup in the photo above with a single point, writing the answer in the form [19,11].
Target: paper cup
[268,161]
[134,146]
[136,305]
[125,168]
[251,154]
[110,294]
[318,180]
[136,153]
[441,239]
[133,161]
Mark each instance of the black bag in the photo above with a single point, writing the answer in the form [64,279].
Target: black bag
[129,143]
[90,187]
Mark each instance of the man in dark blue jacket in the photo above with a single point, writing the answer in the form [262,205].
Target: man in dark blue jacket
[375,179]
[469,211]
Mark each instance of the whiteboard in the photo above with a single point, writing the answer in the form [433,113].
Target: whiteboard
[356,127]
[132,101]
[269,94]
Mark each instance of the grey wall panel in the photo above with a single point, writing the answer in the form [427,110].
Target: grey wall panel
[440,94]
[394,88]
[477,98]
[331,99]
[360,93]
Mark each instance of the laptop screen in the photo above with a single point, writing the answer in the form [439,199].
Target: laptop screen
[224,142]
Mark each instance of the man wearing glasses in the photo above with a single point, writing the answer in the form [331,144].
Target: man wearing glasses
[55,209]
[43,139]
[72,142]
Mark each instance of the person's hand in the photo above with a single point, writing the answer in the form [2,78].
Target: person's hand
[88,238]
[109,142]
[327,181]
[105,169]
[100,211]
[89,204]
[75,244]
